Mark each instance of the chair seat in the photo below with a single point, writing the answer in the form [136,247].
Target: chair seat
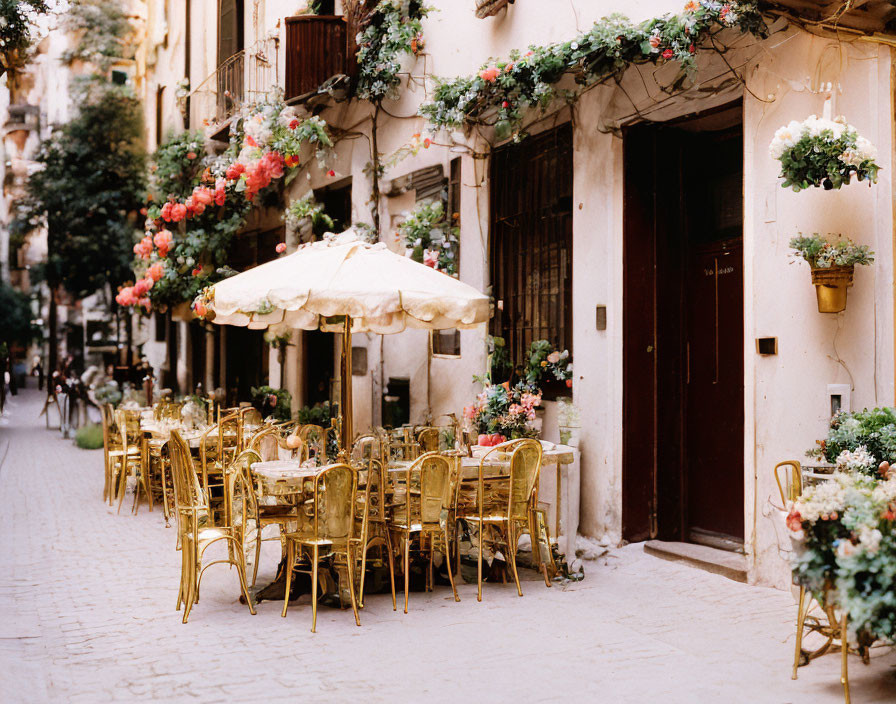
[416,527]
[305,539]
[489,517]
[132,452]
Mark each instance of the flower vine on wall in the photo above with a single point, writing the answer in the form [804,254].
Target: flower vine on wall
[527,80]
[199,202]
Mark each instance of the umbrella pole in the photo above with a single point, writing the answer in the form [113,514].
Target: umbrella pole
[346,387]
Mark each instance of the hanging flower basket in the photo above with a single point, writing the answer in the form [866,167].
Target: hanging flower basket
[830,287]
[487,8]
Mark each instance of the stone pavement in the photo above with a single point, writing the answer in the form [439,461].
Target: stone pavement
[87,602]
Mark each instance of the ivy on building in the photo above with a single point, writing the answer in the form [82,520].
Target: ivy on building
[503,91]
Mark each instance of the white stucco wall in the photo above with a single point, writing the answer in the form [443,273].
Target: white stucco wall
[786,403]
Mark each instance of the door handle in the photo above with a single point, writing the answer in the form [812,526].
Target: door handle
[649,349]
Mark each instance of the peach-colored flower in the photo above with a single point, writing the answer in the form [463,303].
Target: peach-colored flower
[155,271]
[490,74]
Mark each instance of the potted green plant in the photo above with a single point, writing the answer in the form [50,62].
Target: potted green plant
[832,264]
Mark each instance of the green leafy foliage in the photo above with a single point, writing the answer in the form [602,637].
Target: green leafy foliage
[89,437]
[272,402]
[874,430]
[504,90]
[392,28]
[822,254]
[433,240]
[89,189]
[319,414]
[16,316]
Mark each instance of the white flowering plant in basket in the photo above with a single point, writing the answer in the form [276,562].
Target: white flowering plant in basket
[822,152]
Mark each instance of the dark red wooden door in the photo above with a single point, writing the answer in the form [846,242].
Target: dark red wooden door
[715,389]
[683,333]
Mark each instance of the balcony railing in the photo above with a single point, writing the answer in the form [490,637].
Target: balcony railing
[316,50]
[245,77]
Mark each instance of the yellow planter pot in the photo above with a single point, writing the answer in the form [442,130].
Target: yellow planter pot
[831,285]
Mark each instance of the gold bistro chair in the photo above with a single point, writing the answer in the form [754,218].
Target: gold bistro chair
[430,486]
[507,502]
[331,528]
[195,533]
[130,461]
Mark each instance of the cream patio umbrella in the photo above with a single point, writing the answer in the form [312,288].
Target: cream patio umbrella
[342,284]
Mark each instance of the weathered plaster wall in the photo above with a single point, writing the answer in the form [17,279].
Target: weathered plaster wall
[786,402]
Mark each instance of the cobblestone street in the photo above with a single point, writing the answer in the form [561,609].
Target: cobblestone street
[88,597]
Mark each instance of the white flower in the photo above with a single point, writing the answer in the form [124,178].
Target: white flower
[859,460]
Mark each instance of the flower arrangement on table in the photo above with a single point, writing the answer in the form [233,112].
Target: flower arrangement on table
[822,152]
[431,239]
[844,538]
[503,412]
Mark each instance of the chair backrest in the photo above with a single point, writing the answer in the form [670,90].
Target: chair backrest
[432,473]
[250,421]
[265,443]
[367,447]
[228,437]
[128,423]
[241,499]
[375,491]
[188,495]
[109,427]
[792,486]
[334,502]
[525,464]
[315,438]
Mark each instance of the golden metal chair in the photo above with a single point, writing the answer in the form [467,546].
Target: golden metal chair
[428,492]
[264,442]
[374,531]
[331,527]
[111,448]
[129,460]
[194,533]
[218,447]
[367,447]
[829,625]
[289,499]
[250,421]
[506,501]
[315,439]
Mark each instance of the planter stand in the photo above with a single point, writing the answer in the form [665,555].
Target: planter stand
[831,285]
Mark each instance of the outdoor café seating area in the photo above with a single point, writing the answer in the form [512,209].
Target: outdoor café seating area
[397,510]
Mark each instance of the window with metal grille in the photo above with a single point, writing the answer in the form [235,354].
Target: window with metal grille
[530,252]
